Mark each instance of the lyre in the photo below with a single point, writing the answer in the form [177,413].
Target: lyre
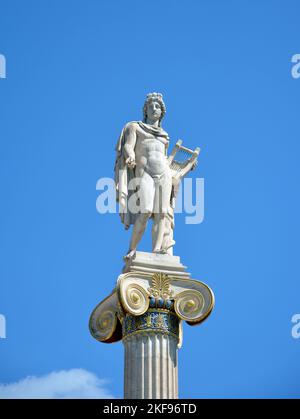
[182,160]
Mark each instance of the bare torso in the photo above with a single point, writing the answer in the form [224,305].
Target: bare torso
[150,153]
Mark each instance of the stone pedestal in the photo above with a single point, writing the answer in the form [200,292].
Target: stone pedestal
[152,297]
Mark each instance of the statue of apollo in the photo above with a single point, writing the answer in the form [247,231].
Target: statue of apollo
[146,178]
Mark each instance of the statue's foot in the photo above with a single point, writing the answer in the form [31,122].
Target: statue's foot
[160,251]
[171,245]
[130,255]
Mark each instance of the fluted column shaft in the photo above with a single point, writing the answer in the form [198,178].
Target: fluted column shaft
[151,370]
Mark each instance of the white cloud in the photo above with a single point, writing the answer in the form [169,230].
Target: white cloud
[71,384]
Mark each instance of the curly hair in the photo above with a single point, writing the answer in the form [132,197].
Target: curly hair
[158,98]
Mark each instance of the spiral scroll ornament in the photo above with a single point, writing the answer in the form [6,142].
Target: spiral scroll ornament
[189,305]
[105,325]
[135,299]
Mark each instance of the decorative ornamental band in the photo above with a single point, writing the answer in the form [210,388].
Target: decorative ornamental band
[154,320]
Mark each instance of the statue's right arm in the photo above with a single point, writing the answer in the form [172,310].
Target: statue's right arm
[130,141]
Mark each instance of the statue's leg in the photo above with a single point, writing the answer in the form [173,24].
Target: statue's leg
[161,205]
[146,195]
[158,229]
[168,242]
[154,231]
[137,233]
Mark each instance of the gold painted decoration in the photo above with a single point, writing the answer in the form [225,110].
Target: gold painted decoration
[189,305]
[160,286]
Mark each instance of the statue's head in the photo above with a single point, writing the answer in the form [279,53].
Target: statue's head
[154,107]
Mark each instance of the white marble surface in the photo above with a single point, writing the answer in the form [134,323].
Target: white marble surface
[154,262]
[151,366]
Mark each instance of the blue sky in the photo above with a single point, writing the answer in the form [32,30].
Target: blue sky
[77,71]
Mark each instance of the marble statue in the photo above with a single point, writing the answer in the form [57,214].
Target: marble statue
[147,179]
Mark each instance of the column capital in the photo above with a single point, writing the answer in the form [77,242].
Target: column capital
[150,296]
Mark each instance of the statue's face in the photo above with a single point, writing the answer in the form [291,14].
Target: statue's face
[153,110]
